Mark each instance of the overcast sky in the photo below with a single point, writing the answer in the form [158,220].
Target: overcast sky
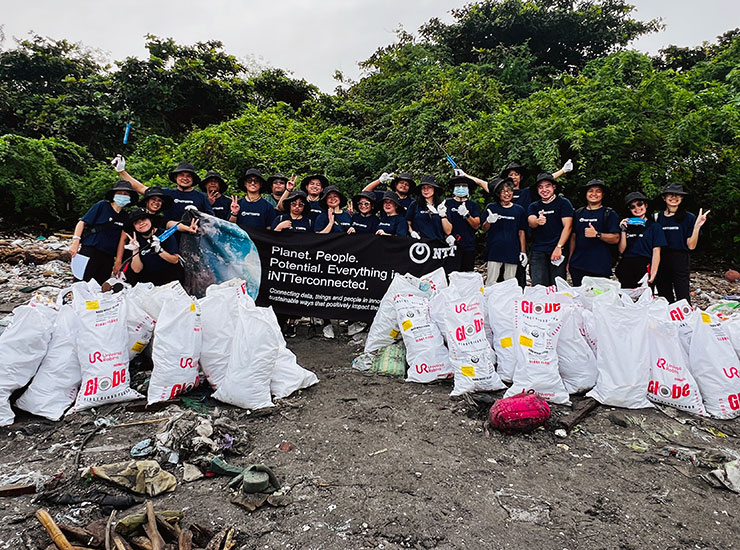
[309,38]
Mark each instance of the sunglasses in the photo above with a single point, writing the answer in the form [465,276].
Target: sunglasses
[251,180]
[636,204]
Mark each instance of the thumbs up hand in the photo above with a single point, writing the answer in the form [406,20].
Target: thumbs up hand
[590,232]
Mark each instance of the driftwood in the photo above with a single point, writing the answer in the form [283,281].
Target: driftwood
[580,412]
[34,254]
[57,537]
[150,527]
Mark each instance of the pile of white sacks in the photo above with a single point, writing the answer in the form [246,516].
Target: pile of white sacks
[625,348]
[76,351]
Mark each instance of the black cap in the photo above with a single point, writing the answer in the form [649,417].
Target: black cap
[461,180]
[122,185]
[274,178]
[185,167]
[295,195]
[495,185]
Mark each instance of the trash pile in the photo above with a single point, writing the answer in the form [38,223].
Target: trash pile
[626,348]
[75,350]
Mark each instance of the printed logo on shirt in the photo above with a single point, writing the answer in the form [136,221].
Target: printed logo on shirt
[671,228]
[588,220]
[245,213]
[184,201]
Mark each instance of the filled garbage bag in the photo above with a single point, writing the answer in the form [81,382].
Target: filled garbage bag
[500,298]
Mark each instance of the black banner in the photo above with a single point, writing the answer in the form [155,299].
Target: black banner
[338,276]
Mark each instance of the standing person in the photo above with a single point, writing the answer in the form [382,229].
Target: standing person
[214,186]
[313,186]
[639,243]
[97,233]
[550,219]
[252,210]
[402,185]
[595,231]
[681,230]
[424,219]
[295,219]
[276,185]
[364,220]
[393,221]
[185,178]
[464,216]
[153,261]
[333,219]
[506,225]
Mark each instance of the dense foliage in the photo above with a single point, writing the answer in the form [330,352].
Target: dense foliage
[538,81]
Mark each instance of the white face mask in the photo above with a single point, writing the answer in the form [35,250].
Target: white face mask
[460,191]
[122,200]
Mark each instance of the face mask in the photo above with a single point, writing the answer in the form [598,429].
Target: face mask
[122,200]
[460,191]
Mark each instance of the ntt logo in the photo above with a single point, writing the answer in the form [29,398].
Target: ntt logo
[419,253]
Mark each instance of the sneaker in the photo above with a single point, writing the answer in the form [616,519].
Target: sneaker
[328,331]
[290,331]
[356,328]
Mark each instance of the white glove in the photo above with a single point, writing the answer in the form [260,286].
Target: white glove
[523,260]
[459,173]
[133,246]
[568,166]
[463,210]
[492,217]
[450,240]
[119,163]
[441,209]
[415,235]
[156,244]
[385,177]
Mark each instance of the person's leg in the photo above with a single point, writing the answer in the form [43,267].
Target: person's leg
[99,267]
[666,275]
[492,272]
[631,270]
[538,267]
[521,275]
[510,271]
[576,276]
[467,260]
[682,275]
[557,271]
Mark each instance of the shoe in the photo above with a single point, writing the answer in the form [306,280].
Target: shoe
[317,321]
[290,331]
[356,328]
[328,331]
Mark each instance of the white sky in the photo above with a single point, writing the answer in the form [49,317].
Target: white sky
[309,38]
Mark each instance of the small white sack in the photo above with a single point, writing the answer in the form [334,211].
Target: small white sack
[22,347]
[576,358]
[537,325]
[55,385]
[253,353]
[715,366]
[102,350]
[458,311]
[623,355]
[176,348]
[591,287]
[500,298]
[671,382]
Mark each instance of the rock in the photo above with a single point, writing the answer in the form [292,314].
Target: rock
[732,276]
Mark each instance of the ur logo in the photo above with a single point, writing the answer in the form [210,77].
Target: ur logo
[186,363]
[94,357]
[419,253]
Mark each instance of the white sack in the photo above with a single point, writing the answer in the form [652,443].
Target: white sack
[140,326]
[591,287]
[576,358]
[732,326]
[500,298]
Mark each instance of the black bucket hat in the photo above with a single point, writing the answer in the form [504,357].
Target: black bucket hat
[333,189]
[274,178]
[122,185]
[213,175]
[155,191]
[391,196]
[462,180]
[674,189]
[295,195]
[495,185]
[428,180]
[406,177]
[543,176]
[595,183]
[634,196]
[250,173]
[323,179]
[369,195]
[139,214]
[185,167]
[513,166]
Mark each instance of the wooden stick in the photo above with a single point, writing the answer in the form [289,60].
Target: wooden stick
[185,540]
[584,409]
[119,543]
[57,537]
[171,532]
[215,543]
[229,543]
[150,527]
[108,529]
[141,542]
[78,533]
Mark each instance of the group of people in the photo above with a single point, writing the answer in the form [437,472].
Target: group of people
[582,242]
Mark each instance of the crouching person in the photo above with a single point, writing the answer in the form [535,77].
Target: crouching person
[153,261]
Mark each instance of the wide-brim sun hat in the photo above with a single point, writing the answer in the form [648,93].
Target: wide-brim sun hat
[294,196]
[405,176]
[634,196]
[185,167]
[213,175]
[155,191]
[673,189]
[369,195]
[333,189]
[543,176]
[139,214]
[274,178]
[393,197]
[495,185]
[122,185]
[461,180]
[323,179]
[595,183]
[252,172]
[428,180]
[521,170]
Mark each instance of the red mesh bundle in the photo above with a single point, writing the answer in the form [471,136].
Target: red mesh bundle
[519,413]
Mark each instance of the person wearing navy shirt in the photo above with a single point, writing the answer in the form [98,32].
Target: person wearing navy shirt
[464,216]
[402,184]
[313,186]
[505,223]
[295,219]
[153,261]
[681,230]
[550,218]
[393,220]
[98,232]
[364,219]
[333,219]
[423,218]
[252,210]
[214,186]
[595,230]
[639,243]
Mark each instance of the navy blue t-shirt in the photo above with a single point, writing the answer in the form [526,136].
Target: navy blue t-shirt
[591,254]
[259,213]
[342,222]
[642,239]
[427,224]
[394,225]
[676,233]
[406,202]
[314,210]
[464,234]
[545,237]
[103,226]
[222,207]
[303,224]
[182,199]
[502,240]
[151,260]
[365,224]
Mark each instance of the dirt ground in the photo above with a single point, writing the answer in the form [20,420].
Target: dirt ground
[375,462]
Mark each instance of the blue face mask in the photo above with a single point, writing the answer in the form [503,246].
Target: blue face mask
[122,200]
[460,191]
